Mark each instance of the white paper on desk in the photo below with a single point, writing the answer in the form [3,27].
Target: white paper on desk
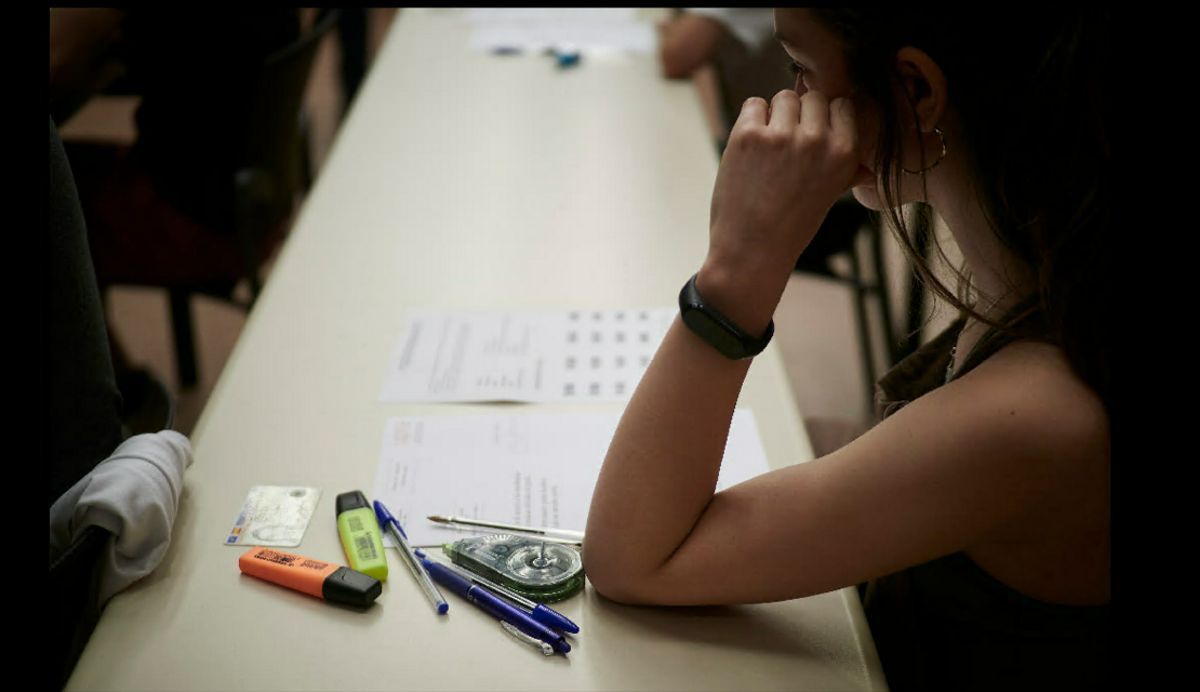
[526,355]
[583,29]
[532,469]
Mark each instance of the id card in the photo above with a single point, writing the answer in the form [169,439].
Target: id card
[274,515]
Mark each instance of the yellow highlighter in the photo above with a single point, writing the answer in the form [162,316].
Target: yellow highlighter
[360,534]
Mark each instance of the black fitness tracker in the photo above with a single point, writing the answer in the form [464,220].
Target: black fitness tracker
[716,329]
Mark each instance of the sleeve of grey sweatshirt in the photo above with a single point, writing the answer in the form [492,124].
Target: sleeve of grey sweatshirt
[134,494]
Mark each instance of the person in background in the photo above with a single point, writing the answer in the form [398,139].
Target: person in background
[692,37]
[188,66]
[735,42]
[978,507]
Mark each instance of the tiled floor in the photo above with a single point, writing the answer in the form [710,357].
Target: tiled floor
[815,326]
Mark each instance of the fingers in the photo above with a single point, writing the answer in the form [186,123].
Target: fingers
[831,122]
[754,112]
[803,119]
[785,111]
[813,112]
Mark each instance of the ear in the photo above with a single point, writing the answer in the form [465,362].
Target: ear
[924,83]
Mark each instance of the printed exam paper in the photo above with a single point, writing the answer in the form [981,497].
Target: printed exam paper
[532,469]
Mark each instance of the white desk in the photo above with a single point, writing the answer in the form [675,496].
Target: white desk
[460,179]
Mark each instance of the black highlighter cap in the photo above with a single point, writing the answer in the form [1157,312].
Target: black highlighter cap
[351,587]
[351,500]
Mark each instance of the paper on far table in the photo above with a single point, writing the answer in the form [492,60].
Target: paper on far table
[525,355]
[532,469]
[478,16]
[537,29]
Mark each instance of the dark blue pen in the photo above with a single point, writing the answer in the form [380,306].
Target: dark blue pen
[543,614]
[495,606]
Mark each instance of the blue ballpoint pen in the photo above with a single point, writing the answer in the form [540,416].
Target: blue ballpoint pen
[389,523]
[543,614]
[495,606]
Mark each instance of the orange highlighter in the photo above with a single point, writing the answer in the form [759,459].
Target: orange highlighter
[325,580]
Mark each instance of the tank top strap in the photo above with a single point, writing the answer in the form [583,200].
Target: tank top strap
[1025,321]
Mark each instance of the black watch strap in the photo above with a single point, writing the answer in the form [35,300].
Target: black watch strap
[716,329]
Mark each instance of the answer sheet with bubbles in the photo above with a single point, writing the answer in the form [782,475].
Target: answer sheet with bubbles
[593,356]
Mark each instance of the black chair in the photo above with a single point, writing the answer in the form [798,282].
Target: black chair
[220,235]
[352,38]
[839,235]
[276,167]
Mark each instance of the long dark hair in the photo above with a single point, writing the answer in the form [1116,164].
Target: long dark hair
[1030,91]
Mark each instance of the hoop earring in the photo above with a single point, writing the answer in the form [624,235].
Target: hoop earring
[942,137]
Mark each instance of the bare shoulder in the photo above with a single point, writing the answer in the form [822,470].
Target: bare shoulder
[1034,388]
[1032,402]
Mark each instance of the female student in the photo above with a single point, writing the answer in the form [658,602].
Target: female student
[978,508]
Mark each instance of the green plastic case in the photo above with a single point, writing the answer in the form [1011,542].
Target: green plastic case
[539,570]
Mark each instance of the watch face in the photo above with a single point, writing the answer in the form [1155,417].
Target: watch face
[713,332]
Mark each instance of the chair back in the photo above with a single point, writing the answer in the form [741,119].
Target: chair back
[271,114]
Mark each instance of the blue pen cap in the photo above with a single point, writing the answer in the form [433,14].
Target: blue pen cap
[553,619]
[384,517]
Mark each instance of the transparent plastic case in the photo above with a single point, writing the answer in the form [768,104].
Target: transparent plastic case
[537,569]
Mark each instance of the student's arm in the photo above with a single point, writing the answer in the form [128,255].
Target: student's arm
[950,470]
[985,458]
[687,43]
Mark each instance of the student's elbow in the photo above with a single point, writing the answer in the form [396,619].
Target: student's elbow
[614,580]
[691,43]
[675,65]
[621,591]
